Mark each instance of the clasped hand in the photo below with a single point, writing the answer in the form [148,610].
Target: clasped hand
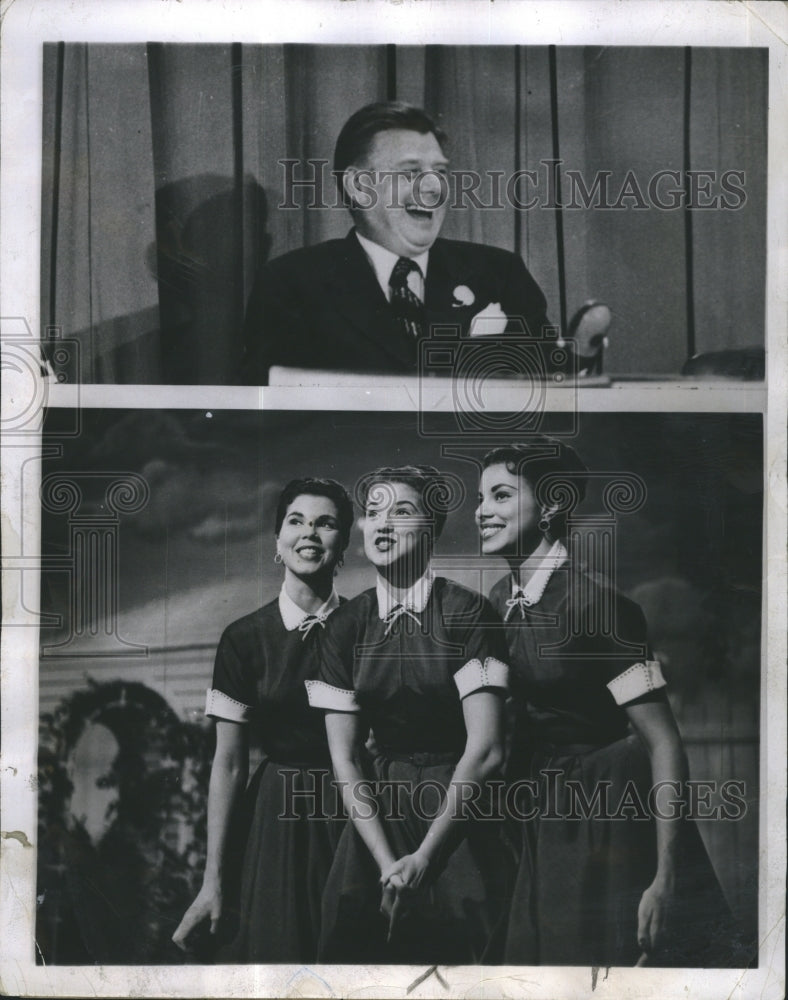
[400,881]
[410,870]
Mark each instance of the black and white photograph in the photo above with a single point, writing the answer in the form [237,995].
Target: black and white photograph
[393,499]
[232,214]
[567,625]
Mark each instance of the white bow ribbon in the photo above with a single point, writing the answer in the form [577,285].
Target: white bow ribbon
[518,601]
[309,623]
[397,612]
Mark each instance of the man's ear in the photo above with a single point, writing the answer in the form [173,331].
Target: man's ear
[350,185]
[358,185]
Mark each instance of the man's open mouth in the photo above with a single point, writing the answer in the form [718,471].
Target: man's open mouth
[415,212]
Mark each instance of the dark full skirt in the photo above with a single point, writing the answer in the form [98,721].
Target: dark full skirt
[458,919]
[581,879]
[289,828]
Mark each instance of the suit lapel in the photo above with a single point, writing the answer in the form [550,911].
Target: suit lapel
[353,288]
[442,278]
[437,297]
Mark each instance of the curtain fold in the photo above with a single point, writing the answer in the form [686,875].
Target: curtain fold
[164,186]
[536,226]
[198,253]
[102,219]
[727,128]
[634,116]
[473,88]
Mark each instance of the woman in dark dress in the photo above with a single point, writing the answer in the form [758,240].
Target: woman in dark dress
[421,661]
[623,877]
[262,662]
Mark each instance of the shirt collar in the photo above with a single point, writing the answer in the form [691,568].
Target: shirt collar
[535,587]
[383,261]
[415,598]
[292,615]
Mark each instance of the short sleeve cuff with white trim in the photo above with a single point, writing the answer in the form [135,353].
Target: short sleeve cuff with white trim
[636,681]
[475,676]
[222,706]
[322,695]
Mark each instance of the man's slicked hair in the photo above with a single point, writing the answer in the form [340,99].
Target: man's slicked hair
[355,140]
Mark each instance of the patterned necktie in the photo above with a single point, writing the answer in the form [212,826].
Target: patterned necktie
[407,307]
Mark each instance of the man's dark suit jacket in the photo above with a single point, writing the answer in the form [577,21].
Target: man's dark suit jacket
[322,307]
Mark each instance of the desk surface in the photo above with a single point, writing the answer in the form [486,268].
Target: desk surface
[331,391]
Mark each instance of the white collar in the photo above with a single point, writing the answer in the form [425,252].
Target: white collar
[414,600]
[533,590]
[293,616]
[383,261]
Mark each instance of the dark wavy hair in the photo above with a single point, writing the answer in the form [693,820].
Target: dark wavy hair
[430,484]
[329,488]
[538,458]
[355,140]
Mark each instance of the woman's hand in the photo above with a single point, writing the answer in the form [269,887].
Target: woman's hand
[654,915]
[410,870]
[394,901]
[388,900]
[652,720]
[207,905]
[401,881]
[228,779]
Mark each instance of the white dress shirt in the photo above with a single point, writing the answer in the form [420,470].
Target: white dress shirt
[383,262]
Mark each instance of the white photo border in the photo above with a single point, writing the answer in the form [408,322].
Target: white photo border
[26,25]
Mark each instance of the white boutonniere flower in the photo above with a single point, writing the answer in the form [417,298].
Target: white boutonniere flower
[490,321]
[463,296]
